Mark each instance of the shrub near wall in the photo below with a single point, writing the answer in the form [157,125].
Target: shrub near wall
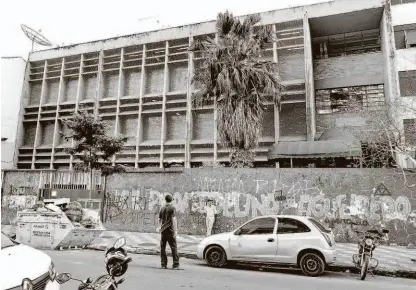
[334,196]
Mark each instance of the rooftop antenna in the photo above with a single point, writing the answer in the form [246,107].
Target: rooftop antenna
[35,36]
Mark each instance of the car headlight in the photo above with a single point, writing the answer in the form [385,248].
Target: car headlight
[52,271]
[368,242]
[27,284]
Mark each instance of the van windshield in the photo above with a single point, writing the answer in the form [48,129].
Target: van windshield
[7,242]
[320,226]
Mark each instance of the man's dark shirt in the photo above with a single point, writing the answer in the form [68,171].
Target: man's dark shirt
[165,216]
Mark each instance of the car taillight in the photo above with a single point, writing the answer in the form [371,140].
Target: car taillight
[328,239]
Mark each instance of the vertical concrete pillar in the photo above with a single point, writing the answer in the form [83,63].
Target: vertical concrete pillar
[23,103]
[391,77]
[189,91]
[276,109]
[165,89]
[100,84]
[42,93]
[79,93]
[309,81]
[120,91]
[139,117]
[61,90]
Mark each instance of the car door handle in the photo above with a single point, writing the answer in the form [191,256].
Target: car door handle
[270,240]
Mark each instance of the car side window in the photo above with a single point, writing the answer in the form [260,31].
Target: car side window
[291,226]
[261,226]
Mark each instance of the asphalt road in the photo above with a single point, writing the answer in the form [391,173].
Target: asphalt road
[144,273]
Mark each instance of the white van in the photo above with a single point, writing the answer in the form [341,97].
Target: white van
[25,268]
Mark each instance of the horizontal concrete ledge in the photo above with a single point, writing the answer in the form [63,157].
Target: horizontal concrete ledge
[335,268]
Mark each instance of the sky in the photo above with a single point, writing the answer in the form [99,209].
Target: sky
[75,21]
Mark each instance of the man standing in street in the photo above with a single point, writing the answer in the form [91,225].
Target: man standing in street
[168,230]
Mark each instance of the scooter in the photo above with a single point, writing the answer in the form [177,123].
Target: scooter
[116,261]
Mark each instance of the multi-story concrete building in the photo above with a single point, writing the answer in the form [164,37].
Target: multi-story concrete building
[330,54]
[12,77]
[404,23]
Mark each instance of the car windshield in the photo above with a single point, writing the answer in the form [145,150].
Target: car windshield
[320,226]
[7,242]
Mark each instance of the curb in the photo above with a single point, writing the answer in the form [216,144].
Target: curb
[336,268]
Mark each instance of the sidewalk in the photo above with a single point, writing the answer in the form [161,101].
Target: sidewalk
[392,260]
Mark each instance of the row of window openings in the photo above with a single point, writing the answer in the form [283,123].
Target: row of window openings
[346,44]
[348,99]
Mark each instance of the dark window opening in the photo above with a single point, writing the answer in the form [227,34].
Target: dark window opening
[410,131]
[377,155]
[358,42]
[349,99]
[407,80]
[337,162]
[261,226]
[399,39]
[291,226]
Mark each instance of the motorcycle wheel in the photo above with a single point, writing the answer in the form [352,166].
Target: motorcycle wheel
[364,267]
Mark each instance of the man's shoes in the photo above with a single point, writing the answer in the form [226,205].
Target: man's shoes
[176,268]
[164,267]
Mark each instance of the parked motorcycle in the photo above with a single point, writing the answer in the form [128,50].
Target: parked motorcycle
[116,261]
[364,259]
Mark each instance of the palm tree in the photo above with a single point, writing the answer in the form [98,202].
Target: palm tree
[233,75]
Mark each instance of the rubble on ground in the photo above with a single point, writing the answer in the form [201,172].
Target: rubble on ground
[81,218]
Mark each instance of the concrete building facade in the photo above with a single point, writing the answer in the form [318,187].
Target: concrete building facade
[141,84]
[12,78]
[405,58]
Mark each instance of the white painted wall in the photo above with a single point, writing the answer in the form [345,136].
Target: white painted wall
[403,14]
[12,77]
[405,60]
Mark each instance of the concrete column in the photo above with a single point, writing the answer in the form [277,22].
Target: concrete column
[99,87]
[139,117]
[42,93]
[189,88]
[23,103]
[79,92]
[391,75]
[276,109]
[61,89]
[309,81]
[165,89]
[120,90]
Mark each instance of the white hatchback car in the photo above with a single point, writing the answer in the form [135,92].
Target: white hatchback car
[25,268]
[276,239]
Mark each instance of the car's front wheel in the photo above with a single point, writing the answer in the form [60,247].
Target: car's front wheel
[312,264]
[216,257]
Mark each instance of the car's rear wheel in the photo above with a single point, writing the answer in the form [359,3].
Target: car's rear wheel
[312,264]
[216,257]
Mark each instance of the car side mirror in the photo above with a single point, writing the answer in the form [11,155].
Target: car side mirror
[63,278]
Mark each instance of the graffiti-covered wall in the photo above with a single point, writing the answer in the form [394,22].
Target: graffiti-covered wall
[336,197]
[19,191]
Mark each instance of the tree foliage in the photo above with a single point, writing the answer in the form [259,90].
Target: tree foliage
[91,143]
[385,137]
[233,75]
